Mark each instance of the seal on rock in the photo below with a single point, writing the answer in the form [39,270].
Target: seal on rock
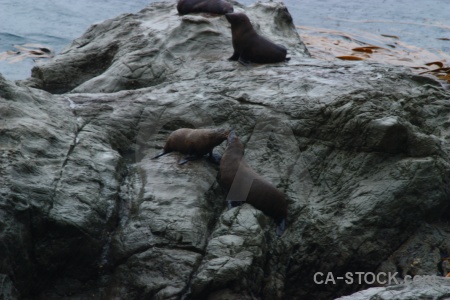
[249,46]
[194,142]
[246,185]
[220,7]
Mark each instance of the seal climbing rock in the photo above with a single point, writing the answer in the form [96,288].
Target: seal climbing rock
[246,185]
[249,46]
[194,142]
[220,7]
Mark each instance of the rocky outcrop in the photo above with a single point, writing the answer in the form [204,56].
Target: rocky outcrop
[155,46]
[432,287]
[361,151]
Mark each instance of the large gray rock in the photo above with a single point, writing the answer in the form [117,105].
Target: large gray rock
[432,288]
[361,150]
[154,46]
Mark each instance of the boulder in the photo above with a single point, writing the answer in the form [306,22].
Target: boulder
[155,46]
[432,287]
[360,149]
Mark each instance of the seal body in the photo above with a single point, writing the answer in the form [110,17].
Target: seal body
[249,46]
[249,186]
[220,7]
[194,142]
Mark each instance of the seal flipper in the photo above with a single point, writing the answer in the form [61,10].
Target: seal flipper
[244,62]
[235,56]
[189,158]
[161,154]
[231,203]
[281,227]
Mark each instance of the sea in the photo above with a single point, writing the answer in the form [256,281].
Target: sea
[55,23]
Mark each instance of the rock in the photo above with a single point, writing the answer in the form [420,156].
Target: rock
[7,290]
[432,288]
[154,46]
[387,135]
[86,214]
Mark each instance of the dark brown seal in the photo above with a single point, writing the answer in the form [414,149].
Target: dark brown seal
[194,142]
[249,46]
[220,7]
[246,185]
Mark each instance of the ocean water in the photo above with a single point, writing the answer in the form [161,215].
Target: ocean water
[54,23]
[415,22]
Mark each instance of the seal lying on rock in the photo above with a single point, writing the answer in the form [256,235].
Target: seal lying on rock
[249,46]
[220,7]
[246,185]
[194,142]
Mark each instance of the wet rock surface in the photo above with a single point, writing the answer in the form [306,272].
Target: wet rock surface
[435,288]
[155,46]
[361,151]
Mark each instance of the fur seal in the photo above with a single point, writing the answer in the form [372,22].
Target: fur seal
[194,142]
[246,185]
[249,46]
[220,7]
